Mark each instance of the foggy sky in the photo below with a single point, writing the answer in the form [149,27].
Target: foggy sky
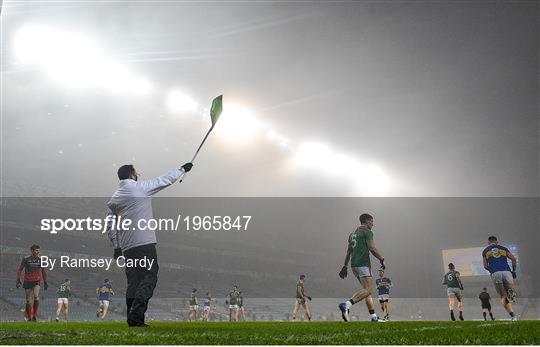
[444,96]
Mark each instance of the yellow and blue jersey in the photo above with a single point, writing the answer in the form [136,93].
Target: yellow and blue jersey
[383,285]
[497,258]
[105,291]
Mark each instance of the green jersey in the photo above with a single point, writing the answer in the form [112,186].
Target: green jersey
[358,243]
[64,290]
[193,300]
[233,297]
[451,279]
[300,289]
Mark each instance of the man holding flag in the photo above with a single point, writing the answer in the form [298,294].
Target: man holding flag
[132,201]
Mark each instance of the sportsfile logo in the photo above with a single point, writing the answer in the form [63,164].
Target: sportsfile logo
[111,222]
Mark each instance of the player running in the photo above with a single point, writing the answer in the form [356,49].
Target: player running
[360,245]
[64,293]
[104,293]
[33,274]
[193,306]
[301,299]
[206,307]
[496,262]
[232,301]
[383,287]
[486,304]
[454,288]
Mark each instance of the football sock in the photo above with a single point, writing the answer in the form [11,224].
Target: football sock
[36,306]
[452,315]
[485,318]
[28,311]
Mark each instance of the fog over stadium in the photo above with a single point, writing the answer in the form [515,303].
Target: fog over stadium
[425,114]
[424,99]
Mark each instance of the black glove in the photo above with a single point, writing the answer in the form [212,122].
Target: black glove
[117,253]
[343,272]
[187,167]
[45,286]
[382,264]
[308,297]
[514,276]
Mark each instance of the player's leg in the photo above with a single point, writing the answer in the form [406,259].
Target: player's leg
[307,311]
[484,313]
[295,309]
[451,298]
[502,291]
[59,306]
[367,284]
[105,309]
[460,306]
[490,313]
[363,274]
[66,309]
[29,296]
[36,302]
[386,310]
[509,286]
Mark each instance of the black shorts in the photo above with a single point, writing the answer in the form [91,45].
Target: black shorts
[31,284]
[383,301]
[486,306]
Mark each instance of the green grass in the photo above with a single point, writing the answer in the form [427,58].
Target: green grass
[262,333]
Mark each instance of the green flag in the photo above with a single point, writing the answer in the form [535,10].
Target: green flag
[217,108]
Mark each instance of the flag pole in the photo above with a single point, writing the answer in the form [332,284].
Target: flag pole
[202,143]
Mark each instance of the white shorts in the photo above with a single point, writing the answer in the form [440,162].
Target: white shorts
[384,297]
[502,277]
[206,308]
[193,307]
[104,303]
[231,307]
[454,292]
[63,301]
[361,271]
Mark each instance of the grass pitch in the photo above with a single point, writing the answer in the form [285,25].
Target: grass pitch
[283,333]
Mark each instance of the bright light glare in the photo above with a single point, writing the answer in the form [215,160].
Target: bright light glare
[237,124]
[67,57]
[74,60]
[180,102]
[372,179]
[368,178]
[141,85]
[312,154]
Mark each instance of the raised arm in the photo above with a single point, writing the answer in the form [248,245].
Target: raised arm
[153,186]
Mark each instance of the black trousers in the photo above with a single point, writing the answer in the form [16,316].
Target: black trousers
[140,282]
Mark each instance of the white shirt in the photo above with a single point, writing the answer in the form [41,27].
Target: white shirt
[133,201]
